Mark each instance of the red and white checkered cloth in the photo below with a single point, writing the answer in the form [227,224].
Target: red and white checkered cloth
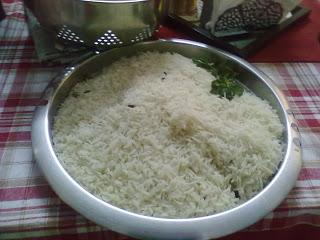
[28,206]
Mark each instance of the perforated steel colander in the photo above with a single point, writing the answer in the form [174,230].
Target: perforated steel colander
[100,24]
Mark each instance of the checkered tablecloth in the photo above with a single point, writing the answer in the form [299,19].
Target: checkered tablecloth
[28,206]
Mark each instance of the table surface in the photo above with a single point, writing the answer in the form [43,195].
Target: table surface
[30,209]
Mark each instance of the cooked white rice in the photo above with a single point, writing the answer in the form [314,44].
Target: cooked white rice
[147,136]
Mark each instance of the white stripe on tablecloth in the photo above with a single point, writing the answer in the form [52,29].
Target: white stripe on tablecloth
[308,183]
[28,203]
[21,170]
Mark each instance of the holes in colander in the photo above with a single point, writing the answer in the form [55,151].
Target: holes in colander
[108,39]
[143,35]
[67,35]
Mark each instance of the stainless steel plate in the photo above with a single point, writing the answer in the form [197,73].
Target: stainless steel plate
[159,228]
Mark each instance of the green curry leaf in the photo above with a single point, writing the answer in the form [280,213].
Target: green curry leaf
[225,84]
